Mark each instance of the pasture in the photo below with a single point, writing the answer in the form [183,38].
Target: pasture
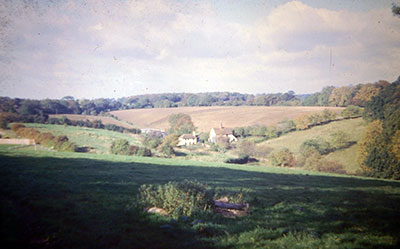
[205,118]
[77,200]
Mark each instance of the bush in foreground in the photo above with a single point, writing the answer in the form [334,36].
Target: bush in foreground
[177,198]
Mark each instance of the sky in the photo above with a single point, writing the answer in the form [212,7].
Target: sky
[119,48]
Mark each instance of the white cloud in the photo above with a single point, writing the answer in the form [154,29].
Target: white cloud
[188,46]
[97,27]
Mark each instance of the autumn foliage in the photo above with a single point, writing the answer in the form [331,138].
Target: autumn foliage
[378,152]
[59,143]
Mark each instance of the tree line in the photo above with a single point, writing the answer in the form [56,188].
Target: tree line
[379,149]
[357,95]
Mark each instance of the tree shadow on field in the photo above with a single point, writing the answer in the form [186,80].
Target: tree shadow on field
[82,203]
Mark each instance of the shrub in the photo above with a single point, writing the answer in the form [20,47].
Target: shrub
[66,146]
[120,147]
[322,146]
[166,149]
[283,158]
[286,125]
[331,167]
[143,152]
[310,159]
[315,119]
[246,147]
[328,115]
[62,138]
[203,137]
[241,160]
[152,140]
[133,149]
[339,140]
[6,118]
[223,144]
[302,122]
[351,111]
[15,127]
[177,198]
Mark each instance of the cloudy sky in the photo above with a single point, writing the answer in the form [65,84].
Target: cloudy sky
[116,48]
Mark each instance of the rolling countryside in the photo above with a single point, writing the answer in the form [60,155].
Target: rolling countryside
[176,124]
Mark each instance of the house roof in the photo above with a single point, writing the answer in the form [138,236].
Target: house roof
[223,131]
[187,136]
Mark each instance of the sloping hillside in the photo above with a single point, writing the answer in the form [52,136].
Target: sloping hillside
[347,157]
[204,118]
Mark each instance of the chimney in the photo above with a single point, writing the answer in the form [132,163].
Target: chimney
[194,134]
[221,126]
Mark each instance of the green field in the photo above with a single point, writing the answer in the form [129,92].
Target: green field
[354,128]
[99,140]
[80,200]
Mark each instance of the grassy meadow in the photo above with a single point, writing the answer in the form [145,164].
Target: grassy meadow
[354,128]
[207,117]
[81,200]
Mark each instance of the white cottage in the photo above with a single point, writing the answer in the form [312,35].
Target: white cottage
[187,139]
[221,132]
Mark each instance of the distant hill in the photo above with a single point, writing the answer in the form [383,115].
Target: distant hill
[204,118]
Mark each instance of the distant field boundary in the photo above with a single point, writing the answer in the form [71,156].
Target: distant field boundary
[104,120]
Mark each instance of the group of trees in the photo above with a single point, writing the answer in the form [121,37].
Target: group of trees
[122,147]
[379,149]
[357,95]
[97,124]
[180,124]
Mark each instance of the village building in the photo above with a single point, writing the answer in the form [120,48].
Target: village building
[221,133]
[153,132]
[187,139]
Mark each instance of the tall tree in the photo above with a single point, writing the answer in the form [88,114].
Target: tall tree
[180,123]
[340,96]
[378,150]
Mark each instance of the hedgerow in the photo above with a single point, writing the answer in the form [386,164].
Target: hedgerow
[59,143]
